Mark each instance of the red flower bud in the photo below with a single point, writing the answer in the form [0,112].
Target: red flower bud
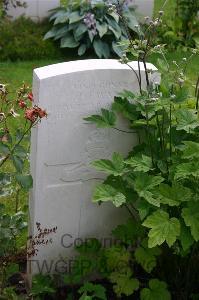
[30,96]
[22,104]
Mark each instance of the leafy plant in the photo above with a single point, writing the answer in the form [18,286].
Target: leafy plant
[91,291]
[92,25]
[182,29]
[41,286]
[160,174]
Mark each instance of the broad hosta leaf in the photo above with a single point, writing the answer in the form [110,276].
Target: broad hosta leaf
[25,181]
[51,33]
[186,120]
[101,49]
[105,192]
[174,195]
[191,218]
[140,163]
[75,17]
[102,28]
[82,49]
[106,119]
[185,170]
[157,290]
[146,257]
[124,284]
[144,185]
[114,167]
[4,149]
[186,238]
[162,228]
[68,41]
[79,31]
[191,150]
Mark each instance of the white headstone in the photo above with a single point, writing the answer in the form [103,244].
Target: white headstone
[37,10]
[63,145]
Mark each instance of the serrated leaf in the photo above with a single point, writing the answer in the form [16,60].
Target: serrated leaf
[191,218]
[96,290]
[144,185]
[105,192]
[162,229]
[106,119]
[144,208]
[25,181]
[175,195]
[157,290]
[128,233]
[185,170]
[186,120]
[122,105]
[124,284]
[191,150]
[140,163]
[114,167]
[146,257]
[117,259]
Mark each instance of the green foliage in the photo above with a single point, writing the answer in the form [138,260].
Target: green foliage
[42,285]
[181,28]
[106,119]
[124,283]
[157,290]
[22,39]
[91,25]
[91,291]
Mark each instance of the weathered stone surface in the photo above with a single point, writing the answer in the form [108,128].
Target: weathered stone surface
[63,147]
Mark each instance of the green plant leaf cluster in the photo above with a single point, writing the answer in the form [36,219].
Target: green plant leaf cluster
[91,25]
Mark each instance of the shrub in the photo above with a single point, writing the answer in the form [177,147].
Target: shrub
[182,29]
[22,39]
[92,25]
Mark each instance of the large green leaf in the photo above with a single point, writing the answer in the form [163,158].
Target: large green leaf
[25,181]
[185,170]
[140,163]
[173,195]
[162,229]
[101,48]
[114,167]
[186,238]
[157,290]
[68,41]
[105,192]
[146,257]
[191,150]
[79,31]
[82,49]
[97,291]
[124,284]
[190,215]
[144,185]
[75,17]
[187,120]
[102,28]
[106,119]
[122,105]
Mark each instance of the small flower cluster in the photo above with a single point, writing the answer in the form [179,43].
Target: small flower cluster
[40,239]
[90,22]
[34,113]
